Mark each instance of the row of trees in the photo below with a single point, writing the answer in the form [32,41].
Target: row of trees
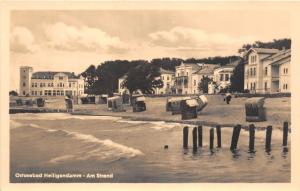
[103,79]
[142,74]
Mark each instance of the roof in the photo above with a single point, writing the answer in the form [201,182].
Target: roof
[163,71]
[208,69]
[281,61]
[50,75]
[262,51]
[265,50]
[194,66]
[279,56]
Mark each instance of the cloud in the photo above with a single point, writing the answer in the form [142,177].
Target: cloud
[22,40]
[72,38]
[193,38]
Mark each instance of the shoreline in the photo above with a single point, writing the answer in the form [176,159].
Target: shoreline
[196,123]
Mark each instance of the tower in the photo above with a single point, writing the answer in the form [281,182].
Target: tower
[25,80]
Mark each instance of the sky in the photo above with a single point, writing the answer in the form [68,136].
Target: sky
[73,40]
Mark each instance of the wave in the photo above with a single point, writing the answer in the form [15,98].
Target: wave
[62,116]
[13,124]
[97,149]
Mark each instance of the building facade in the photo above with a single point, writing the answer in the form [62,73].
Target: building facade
[49,83]
[267,70]
[167,77]
[188,76]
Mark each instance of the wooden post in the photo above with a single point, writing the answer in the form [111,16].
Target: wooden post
[285,133]
[185,137]
[200,136]
[195,141]
[219,138]
[235,137]
[268,138]
[211,138]
[251,138]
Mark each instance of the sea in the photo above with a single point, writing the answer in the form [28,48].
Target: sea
[65,148]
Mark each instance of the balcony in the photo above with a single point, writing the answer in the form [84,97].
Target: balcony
[180,81]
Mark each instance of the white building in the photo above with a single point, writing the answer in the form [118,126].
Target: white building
[49,83]
[222,75]
[267,70]
[167,77]
[188,76]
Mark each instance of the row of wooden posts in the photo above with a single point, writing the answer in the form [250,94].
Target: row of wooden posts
[198,137]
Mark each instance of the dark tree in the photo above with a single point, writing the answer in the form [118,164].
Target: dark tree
[166,63]
[142,77]
[13,93]
[90,77]
[203,85]
[276,43]
[237,78]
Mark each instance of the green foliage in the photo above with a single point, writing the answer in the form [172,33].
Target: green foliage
[212,60]
[13,93]
[203,85]
[276,43]
[143,78]
[237,78]
[166,63]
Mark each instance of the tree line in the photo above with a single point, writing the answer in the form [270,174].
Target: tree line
[142,74]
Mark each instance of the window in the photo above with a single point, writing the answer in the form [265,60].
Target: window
[54,93]
[251,72]
[41,92]
[266,71]
[32,84]
[58,92]
[187,73]
[62,92]
[254,85]
[221,77]
[194,82]
[24,77]
[226,77]
[24,92]
[254,71]
[60,77]
[266,85]
[70,84]
[163,78]
[24,84]
[167,77]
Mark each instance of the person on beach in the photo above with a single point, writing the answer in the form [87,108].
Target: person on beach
[227,97]
[69,104]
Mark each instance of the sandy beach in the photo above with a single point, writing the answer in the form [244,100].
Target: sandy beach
[216,112]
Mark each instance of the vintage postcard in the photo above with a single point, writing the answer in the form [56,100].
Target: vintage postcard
[141,92]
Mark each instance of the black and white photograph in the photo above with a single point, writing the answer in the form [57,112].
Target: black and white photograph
[150,95]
